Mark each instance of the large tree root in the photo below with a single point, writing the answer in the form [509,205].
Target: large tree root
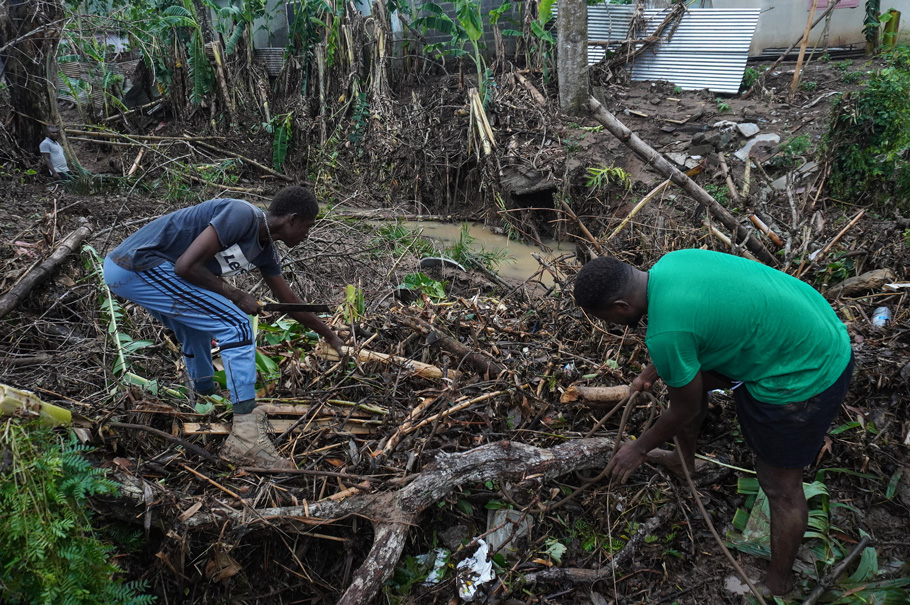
[394,512]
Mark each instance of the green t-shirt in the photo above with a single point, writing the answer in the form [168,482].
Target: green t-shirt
[749,322]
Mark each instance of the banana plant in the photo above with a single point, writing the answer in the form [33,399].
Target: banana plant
[236,20]
[201,73]
[467,28]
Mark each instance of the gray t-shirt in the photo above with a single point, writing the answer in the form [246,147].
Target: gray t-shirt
[236,222]
[55,150]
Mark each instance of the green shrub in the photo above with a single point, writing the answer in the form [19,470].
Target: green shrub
[809,85]
[49,552]
[898,56]
[867,136]
[749,77]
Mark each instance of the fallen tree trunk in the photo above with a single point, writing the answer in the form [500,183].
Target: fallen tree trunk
[664,167]
[14,295]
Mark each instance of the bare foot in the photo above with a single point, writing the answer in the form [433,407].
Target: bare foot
[670,460]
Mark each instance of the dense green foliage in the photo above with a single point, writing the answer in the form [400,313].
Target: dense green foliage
[869,135]
[48,547]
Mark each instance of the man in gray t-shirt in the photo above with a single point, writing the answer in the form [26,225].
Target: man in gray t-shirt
[53,155]
[174,266]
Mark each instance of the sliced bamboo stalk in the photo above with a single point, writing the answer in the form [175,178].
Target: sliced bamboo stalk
[484,130]
[136,163]
[647,198]
[802,49]
[802,270]
[778,61]
[17,402]
[639,206]
[726,240]
[732,188]
[766,230]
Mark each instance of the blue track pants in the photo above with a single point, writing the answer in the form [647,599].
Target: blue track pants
[196,316]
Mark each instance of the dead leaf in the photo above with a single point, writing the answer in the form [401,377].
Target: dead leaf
[124,463]
[221,567]
[189,512]
[825,448]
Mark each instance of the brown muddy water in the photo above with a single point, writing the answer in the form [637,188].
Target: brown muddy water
[519,265]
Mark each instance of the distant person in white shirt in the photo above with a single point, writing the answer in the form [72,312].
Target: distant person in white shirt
[53,155]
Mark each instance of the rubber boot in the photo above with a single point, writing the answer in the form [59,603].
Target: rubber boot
[249,443]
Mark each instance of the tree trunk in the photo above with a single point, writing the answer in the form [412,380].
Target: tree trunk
[30,31]
[572,56]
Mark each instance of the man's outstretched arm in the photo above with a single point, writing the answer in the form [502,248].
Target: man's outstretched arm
[685,405]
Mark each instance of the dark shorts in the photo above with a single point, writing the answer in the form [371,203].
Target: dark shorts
[790,435]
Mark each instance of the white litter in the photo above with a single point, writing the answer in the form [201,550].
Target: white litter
[474,572]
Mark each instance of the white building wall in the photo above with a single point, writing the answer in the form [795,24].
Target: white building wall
[783,21]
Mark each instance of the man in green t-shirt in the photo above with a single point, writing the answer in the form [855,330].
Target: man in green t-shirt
[721,321]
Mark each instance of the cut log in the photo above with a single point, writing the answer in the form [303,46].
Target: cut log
[871,280]
[20,290]
[421,369]
[664,167]
[594,394]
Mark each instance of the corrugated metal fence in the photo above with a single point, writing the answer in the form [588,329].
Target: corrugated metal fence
[708,49]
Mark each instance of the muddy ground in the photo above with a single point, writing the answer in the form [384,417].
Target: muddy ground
[55,343]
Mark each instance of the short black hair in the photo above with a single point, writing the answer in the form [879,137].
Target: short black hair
[295,200]
[601,282]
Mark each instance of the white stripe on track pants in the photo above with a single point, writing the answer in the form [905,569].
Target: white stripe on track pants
[196,316]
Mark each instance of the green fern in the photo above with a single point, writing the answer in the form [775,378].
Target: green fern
[48,547]
[603,176]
